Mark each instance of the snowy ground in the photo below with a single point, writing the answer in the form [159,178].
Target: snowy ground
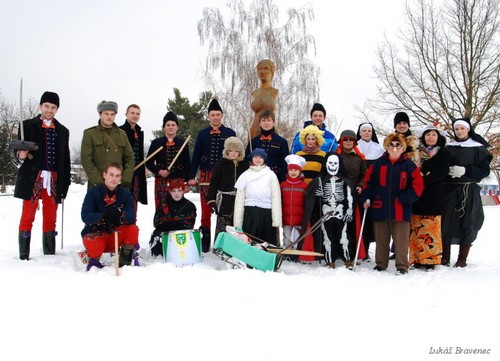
[53,310]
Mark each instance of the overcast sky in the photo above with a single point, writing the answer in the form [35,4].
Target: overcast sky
[138,51]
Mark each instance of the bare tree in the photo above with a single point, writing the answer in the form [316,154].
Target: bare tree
[237,43]
[449,64]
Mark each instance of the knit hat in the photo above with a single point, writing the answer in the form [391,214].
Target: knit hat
[295,161]
[395,137]
[107,105]
[318,106]
[170,116]
[50,97]
[314,130]
[214,105]
[234,143]
[260,153]
[401,117]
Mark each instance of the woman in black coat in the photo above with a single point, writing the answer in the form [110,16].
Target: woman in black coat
[425,226]
[463,213]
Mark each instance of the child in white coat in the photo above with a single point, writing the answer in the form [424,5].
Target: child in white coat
[257,207]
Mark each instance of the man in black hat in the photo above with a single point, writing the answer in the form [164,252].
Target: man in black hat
[136,139]
[207,151]
[161,163]
[45,174]
[318,115]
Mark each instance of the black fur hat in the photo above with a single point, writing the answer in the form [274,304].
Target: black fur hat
[170,116]
[214,105]
[50,97]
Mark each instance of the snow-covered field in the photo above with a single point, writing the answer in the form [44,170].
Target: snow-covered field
[54,310]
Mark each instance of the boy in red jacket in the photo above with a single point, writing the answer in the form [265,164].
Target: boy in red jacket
[293,190]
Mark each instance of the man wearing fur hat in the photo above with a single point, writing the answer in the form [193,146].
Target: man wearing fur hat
[221,191]
[105,143]
[162,160]
[44,174]
[392,184]
[318,115]
[207,151]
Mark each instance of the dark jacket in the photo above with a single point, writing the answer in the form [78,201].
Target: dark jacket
[476,161]
[208,149]
[174,215]
[224,176]
[93,208]
[434,171]
[138,148]
[355,167]
[163,159]
[276,150]
[28,172]
[392,188]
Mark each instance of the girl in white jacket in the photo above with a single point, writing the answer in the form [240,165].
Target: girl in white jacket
[257,207]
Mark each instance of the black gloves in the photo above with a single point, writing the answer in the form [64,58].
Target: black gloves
[112,216]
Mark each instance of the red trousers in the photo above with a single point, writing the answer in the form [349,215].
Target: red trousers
[49,213]
[98,243]
[206,210]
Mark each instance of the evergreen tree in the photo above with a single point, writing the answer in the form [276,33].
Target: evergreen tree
[192,117]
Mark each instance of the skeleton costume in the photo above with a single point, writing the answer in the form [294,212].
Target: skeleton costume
[333,193]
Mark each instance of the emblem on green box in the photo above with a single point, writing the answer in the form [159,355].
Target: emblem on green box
[182,247]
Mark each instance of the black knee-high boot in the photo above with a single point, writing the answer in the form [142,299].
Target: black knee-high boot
[24,245]
[445,256]
[49,242]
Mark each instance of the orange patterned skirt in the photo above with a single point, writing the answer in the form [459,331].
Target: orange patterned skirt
[425,240]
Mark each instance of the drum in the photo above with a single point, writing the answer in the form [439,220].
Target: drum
[182,247]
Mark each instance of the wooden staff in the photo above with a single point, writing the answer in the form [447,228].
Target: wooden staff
[250,140]
[179,153]
[148,158]
[117,264]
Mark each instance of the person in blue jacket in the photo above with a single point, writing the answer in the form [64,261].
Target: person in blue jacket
[318,115]
[207,152]
[275,146]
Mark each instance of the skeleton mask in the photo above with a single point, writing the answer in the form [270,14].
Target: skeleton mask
[333,164]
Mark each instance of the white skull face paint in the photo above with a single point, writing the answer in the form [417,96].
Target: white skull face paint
[333,164]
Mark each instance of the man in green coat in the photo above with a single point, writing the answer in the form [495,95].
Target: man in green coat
[106,143]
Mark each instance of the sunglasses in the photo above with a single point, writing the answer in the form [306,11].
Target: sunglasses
[395,145]
[348,139]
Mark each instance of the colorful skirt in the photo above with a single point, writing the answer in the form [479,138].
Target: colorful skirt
[425,240]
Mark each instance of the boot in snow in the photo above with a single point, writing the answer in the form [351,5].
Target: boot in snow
[205,239]
[24,245]
[463,253]
[126,255]
[94,262]
[49,242]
